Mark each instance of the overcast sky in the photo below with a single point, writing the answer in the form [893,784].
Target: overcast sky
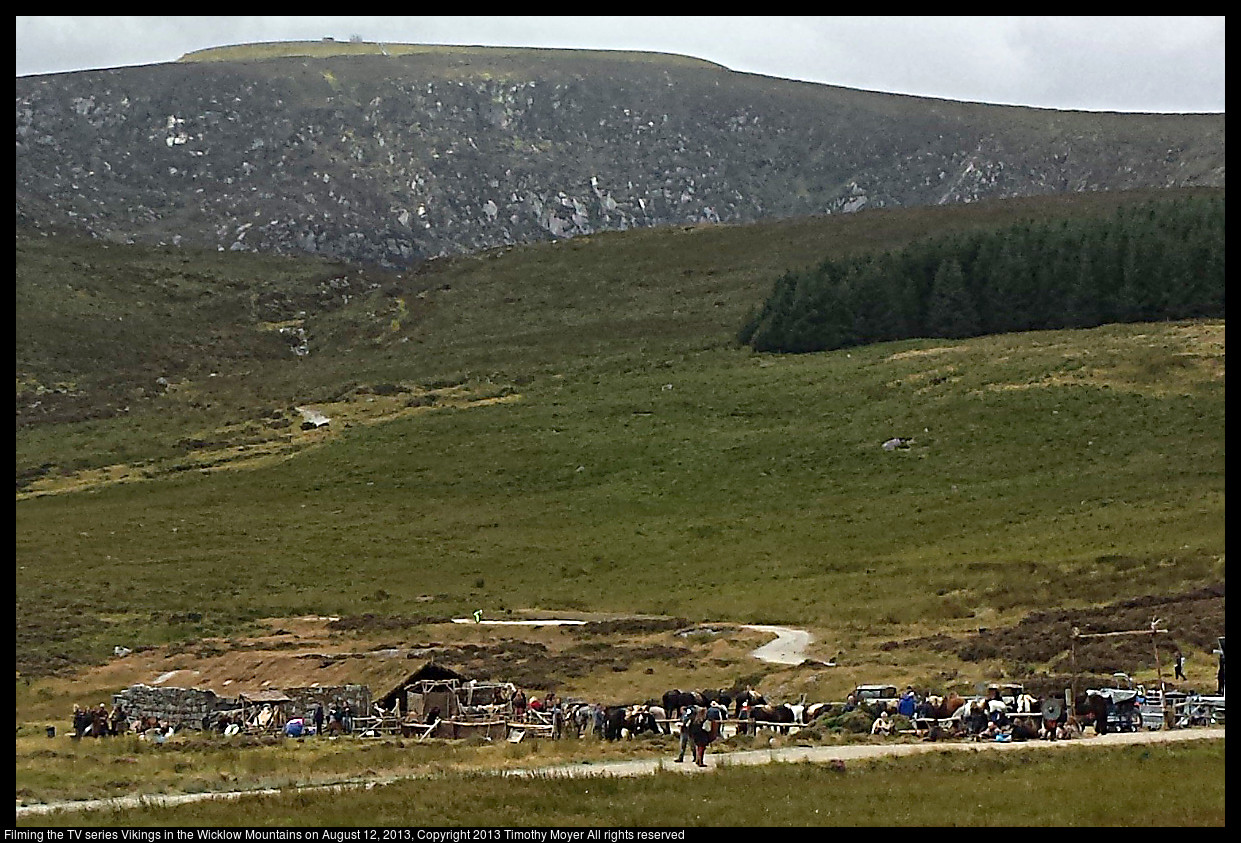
[1153,64]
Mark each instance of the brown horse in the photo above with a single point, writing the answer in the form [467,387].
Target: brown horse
[949,706]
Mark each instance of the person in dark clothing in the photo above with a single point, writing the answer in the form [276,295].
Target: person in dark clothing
[687,720]
[1178,664]
[318,718]
[117,721]
[705,732]
[81,720]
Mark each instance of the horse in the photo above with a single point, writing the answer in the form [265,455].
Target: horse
[748,697]
[946,707]
[776,716]
[721,696]
[675,701]
[638,719]
[660,717]
[1093,710]
[815,711]
[581,716]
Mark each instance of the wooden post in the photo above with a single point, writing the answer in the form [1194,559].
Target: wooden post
[1073,683]
[1155,646]
[1163,704]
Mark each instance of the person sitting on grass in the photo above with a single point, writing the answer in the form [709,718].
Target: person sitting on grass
[883,724]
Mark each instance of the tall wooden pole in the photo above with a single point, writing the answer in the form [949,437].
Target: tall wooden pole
[1073,684]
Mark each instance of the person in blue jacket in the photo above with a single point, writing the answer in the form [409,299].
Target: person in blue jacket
[908,703]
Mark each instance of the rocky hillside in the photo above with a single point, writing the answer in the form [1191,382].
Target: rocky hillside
[400,157]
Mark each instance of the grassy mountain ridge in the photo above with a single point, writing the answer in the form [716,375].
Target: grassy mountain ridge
[326,48]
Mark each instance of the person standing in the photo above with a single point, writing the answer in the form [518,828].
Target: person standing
[557,719]
[1179,665]
[318,718]
[708,730]
[600,716]
[81,720]
[687,719]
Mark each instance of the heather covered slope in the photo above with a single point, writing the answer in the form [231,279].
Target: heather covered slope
[399,157]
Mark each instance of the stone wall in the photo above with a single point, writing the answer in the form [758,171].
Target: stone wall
[186,707]
[304,699]
[179,706]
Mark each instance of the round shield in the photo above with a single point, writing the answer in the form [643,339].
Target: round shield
[1052,709]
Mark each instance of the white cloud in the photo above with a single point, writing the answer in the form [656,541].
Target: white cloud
[1117,63]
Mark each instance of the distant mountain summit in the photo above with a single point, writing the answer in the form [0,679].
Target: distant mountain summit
[396,153]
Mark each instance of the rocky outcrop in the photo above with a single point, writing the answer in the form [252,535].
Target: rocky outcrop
[397,159]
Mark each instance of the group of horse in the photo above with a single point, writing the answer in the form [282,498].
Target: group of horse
[752,711]
[613,722]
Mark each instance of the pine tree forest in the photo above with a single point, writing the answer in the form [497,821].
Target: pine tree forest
[1156,261]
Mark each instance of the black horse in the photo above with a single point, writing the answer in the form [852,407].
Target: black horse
[639,720]
[721,696]
[748,697]
[674,701]
[614,721]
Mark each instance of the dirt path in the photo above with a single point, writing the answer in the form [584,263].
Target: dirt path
[649,766]
[789,647]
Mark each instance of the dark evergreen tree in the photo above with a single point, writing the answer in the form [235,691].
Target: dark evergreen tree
[1161,261]
[950,312]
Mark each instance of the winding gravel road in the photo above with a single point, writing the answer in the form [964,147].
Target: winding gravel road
[789,646]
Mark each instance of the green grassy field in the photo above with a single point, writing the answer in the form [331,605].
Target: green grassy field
[636,462]
[723,486]
[1175,785]
[641,462]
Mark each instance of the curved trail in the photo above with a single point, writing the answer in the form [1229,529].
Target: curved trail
[650,766]
[552,622]
[789,646]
